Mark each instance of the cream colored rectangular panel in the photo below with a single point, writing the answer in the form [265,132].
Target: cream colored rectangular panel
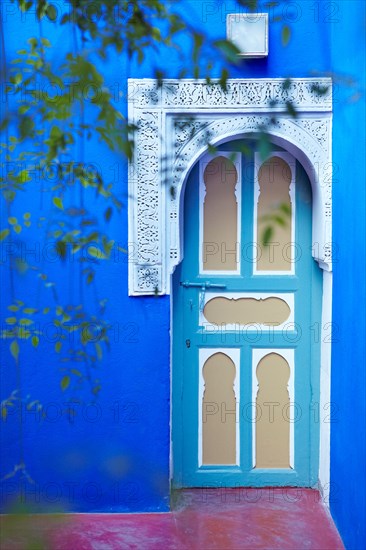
[274,212]
[235,310]
[220,182]
[273,384]
[219,407]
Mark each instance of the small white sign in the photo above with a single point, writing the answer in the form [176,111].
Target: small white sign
[249,33]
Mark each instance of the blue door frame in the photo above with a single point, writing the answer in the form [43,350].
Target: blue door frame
[188,338]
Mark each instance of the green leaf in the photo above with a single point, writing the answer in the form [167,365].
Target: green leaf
[156,34]
[267,235]
[35,341]
[319,90]
[26,126]
[90,278]
[228,49]
[223,79]
[96,253]
[51,12]
[12,220]
[287,84]
[58,347]
[61,249]
[252,4]
[99,351]
[57,201]
[280,220]
[285,35]
[26,322]
[13,308]
[76,372]
[285,208]
[17,79]
[10,320]
[3,234]
[291,109]
[108,246]
[65,382]
[24,176]
[29,310]
[21,265]
[264,146]
[14,349]
[27,215]
[46,42]
[75,248]
[17,228]
[198,40]
[108,214]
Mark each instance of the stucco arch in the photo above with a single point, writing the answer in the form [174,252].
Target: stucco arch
[287,135]
[176,121]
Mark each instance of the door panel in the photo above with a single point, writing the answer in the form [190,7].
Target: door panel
[219,216]
[219,373]
[245,371]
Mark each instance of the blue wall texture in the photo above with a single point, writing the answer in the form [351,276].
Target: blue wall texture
[112,454]
[348,472]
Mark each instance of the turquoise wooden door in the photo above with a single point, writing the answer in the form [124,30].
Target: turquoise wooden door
[246,296]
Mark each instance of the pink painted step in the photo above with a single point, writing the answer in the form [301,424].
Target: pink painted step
[204,519]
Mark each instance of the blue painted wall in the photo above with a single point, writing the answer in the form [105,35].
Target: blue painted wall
[348,451]
[114,455]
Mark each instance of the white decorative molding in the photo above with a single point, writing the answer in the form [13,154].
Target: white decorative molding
[174,123]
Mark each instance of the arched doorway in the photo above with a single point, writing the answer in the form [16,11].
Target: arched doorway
[245,298]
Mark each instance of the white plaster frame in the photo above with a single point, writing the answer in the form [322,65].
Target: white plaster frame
[173,123]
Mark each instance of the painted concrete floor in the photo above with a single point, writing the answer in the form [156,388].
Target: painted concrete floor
[204,519]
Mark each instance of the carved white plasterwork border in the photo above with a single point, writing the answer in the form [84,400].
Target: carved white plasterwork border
[173,123]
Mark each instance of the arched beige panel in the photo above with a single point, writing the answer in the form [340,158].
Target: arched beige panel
[272,425]
[274,205]
[220,216]
[243,311]
[219,411]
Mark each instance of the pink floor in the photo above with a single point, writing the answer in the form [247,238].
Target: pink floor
[268,518]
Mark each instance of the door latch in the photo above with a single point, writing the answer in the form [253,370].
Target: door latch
[205,285]
[188,343]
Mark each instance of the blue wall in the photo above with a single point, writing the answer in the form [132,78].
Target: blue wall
[348,452]
[120,461]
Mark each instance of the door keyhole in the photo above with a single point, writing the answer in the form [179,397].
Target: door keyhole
[188,343]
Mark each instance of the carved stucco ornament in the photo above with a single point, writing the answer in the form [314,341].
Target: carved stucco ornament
[175,121]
